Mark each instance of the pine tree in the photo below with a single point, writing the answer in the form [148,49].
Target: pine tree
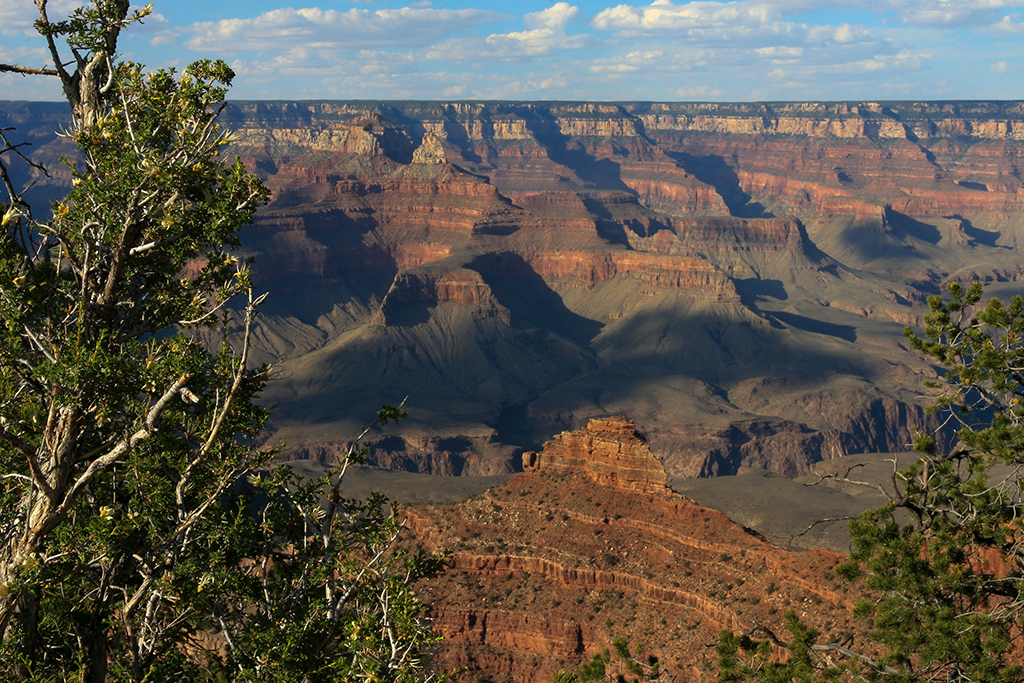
[143,534]
[945,556]
[941,564]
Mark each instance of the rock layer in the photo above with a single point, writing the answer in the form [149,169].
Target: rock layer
[607,452]
[733,277]
[549,568]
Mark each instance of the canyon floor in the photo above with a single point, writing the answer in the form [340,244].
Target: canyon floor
[790,513]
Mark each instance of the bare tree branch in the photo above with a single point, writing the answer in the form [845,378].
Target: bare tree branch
[14,68]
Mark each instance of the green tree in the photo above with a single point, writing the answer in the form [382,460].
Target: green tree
[742,657]
[331,598]
[619,664]
[942,563]
[131,548]
[945,555]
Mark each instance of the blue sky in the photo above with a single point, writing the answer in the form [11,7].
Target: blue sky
[666,50]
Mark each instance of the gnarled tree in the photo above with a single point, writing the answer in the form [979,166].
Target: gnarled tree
[129,547]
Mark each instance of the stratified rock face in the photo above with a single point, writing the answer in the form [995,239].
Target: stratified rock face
[430,151]
[734,278]
[607,451]
[548,569]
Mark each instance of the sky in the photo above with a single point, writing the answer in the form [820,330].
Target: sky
[596,50]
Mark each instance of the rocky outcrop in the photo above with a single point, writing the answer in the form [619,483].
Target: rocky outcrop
[430,151]
[462,287]
[607,451]
[671,271]
[903,120]
[549,568]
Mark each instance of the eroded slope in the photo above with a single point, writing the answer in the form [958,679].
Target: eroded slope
[588,545]
[735,278]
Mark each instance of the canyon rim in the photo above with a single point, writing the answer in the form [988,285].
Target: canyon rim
[734,278]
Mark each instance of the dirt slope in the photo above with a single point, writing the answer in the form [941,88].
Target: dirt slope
[589,544]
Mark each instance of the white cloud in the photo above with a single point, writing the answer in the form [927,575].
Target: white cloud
[633,61]
[412,83]
[700,92]
[664,15]
[555,17]
[22,87]
[613,68]
[164,38]
[780,52]
[504,47]
[633,49]
[950,13]
[1008,24]
[844,34]
[406,27]
[31,57]
[19,87]
[547,84]
[901,61]
[790,86]
[533,43]
[19,16]
[158,28]
[744,24]
[27,86]
[545,35]
[312,73]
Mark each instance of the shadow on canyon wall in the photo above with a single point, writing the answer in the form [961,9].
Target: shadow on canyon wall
[715,171]
[600,173]
[532,303]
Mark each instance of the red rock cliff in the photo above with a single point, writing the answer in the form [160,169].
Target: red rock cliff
[607,451]
[589,545]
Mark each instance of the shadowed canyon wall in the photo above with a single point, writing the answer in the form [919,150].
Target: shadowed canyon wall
[734,278]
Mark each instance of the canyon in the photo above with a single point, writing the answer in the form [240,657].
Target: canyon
[735,278]
[676,291]
[588,544]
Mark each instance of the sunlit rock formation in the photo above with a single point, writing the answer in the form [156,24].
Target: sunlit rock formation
[588,545]
[734,278]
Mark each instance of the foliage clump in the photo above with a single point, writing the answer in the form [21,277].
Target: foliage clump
[620,664]
[143,535]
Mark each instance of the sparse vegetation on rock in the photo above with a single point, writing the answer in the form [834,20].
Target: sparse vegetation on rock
[619,663]
[608,555]
[942,563]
